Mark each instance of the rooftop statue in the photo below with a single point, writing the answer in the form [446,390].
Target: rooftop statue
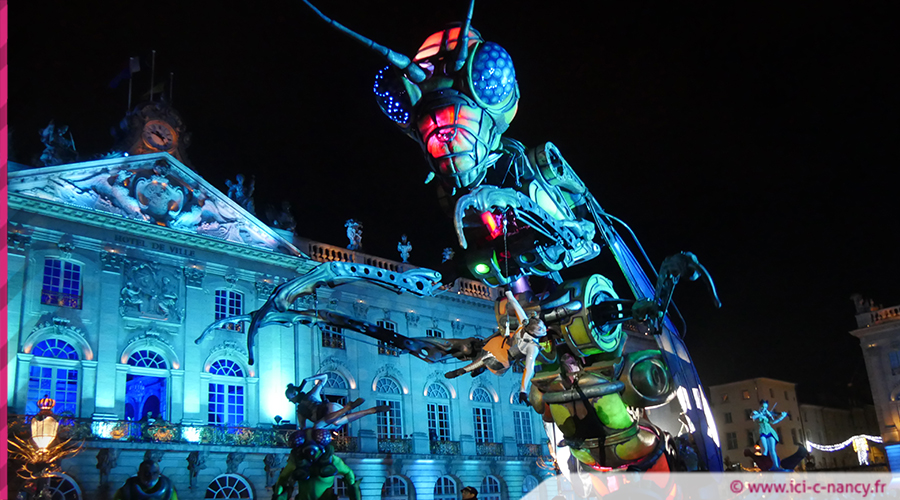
[354,234]
[58,148]
[404,247]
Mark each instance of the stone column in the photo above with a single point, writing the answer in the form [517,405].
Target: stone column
[176,378]
[22,376]
[252,401]
[88,388]
[118,391]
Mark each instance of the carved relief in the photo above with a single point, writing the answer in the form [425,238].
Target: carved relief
[154,455]
[193,276]
[151,291]
[233,461]
[332,364]
[18,238]
[412,320]
[106,462]
[387,313]
[389,370]
[112,261]
[361,310]
[196,462]
[230,347]
[457,327]
[264,288]
[273,465]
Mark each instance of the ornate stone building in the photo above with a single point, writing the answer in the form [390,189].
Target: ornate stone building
[117,266]
[878,331]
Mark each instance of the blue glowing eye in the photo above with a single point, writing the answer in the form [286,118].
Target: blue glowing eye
[493,75]
[392,96]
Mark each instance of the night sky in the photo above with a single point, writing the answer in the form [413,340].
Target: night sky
[761,137]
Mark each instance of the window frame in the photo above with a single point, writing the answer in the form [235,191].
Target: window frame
[228,309]
[56,294]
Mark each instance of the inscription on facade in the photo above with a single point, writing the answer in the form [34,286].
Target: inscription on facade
[153,245]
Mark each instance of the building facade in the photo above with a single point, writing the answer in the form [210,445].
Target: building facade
[733,403]
[878,331]
[806,425]
[116,268]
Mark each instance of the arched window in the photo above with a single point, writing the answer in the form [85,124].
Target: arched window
[432,332]
[438,413]
[53,372]
[147,359]
[394,488]
[226,393]
[336,390]
[340,488]
[529,483]
[445,489]
[62,284]
[228,304]
[481,395]
[62,487]
[483,416]
[146,389]
[490,489]
[390,424]
[229,486]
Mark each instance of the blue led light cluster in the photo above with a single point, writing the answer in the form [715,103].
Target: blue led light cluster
[493,75]
[391,96]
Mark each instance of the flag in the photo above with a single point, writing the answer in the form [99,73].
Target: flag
[133,66]
[157,89]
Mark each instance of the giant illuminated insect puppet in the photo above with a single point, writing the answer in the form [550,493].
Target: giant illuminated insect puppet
[521,213]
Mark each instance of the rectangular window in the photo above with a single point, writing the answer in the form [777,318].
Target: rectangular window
[771,393]
[751,441]
[332,337]
[229,304]
[728,418]
[384,348]
[745,394]
[58,383]
[438,422]
[794,436]
[786,397]
[731,439]
[523,427]
[389,426]
[341,400]
[434,333]
[894,357]
[780,435]
[62,284]
[747,414]
[484,425]
[226,404]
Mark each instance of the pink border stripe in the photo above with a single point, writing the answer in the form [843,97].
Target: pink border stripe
[4,150]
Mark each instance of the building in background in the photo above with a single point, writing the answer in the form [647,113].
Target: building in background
[732,405]
[878,331]
[806,425]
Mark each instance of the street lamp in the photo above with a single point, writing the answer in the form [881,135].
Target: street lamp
[43,425]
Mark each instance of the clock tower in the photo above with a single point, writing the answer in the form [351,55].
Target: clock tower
[153,127]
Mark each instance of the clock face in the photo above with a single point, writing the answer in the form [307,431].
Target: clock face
[159,135]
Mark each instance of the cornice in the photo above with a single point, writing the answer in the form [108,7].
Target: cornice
[163,234]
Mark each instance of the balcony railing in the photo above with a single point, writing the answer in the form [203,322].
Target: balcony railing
[322,252]
[345,444]
[397,446]
[529,450]
[159,431]
[53,298]
[877,317]
[489,449]
[445,447]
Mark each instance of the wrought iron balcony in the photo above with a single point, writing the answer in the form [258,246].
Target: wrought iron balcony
[396,446]
[489,449]
[159,431]
[530,450]
[445,447]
